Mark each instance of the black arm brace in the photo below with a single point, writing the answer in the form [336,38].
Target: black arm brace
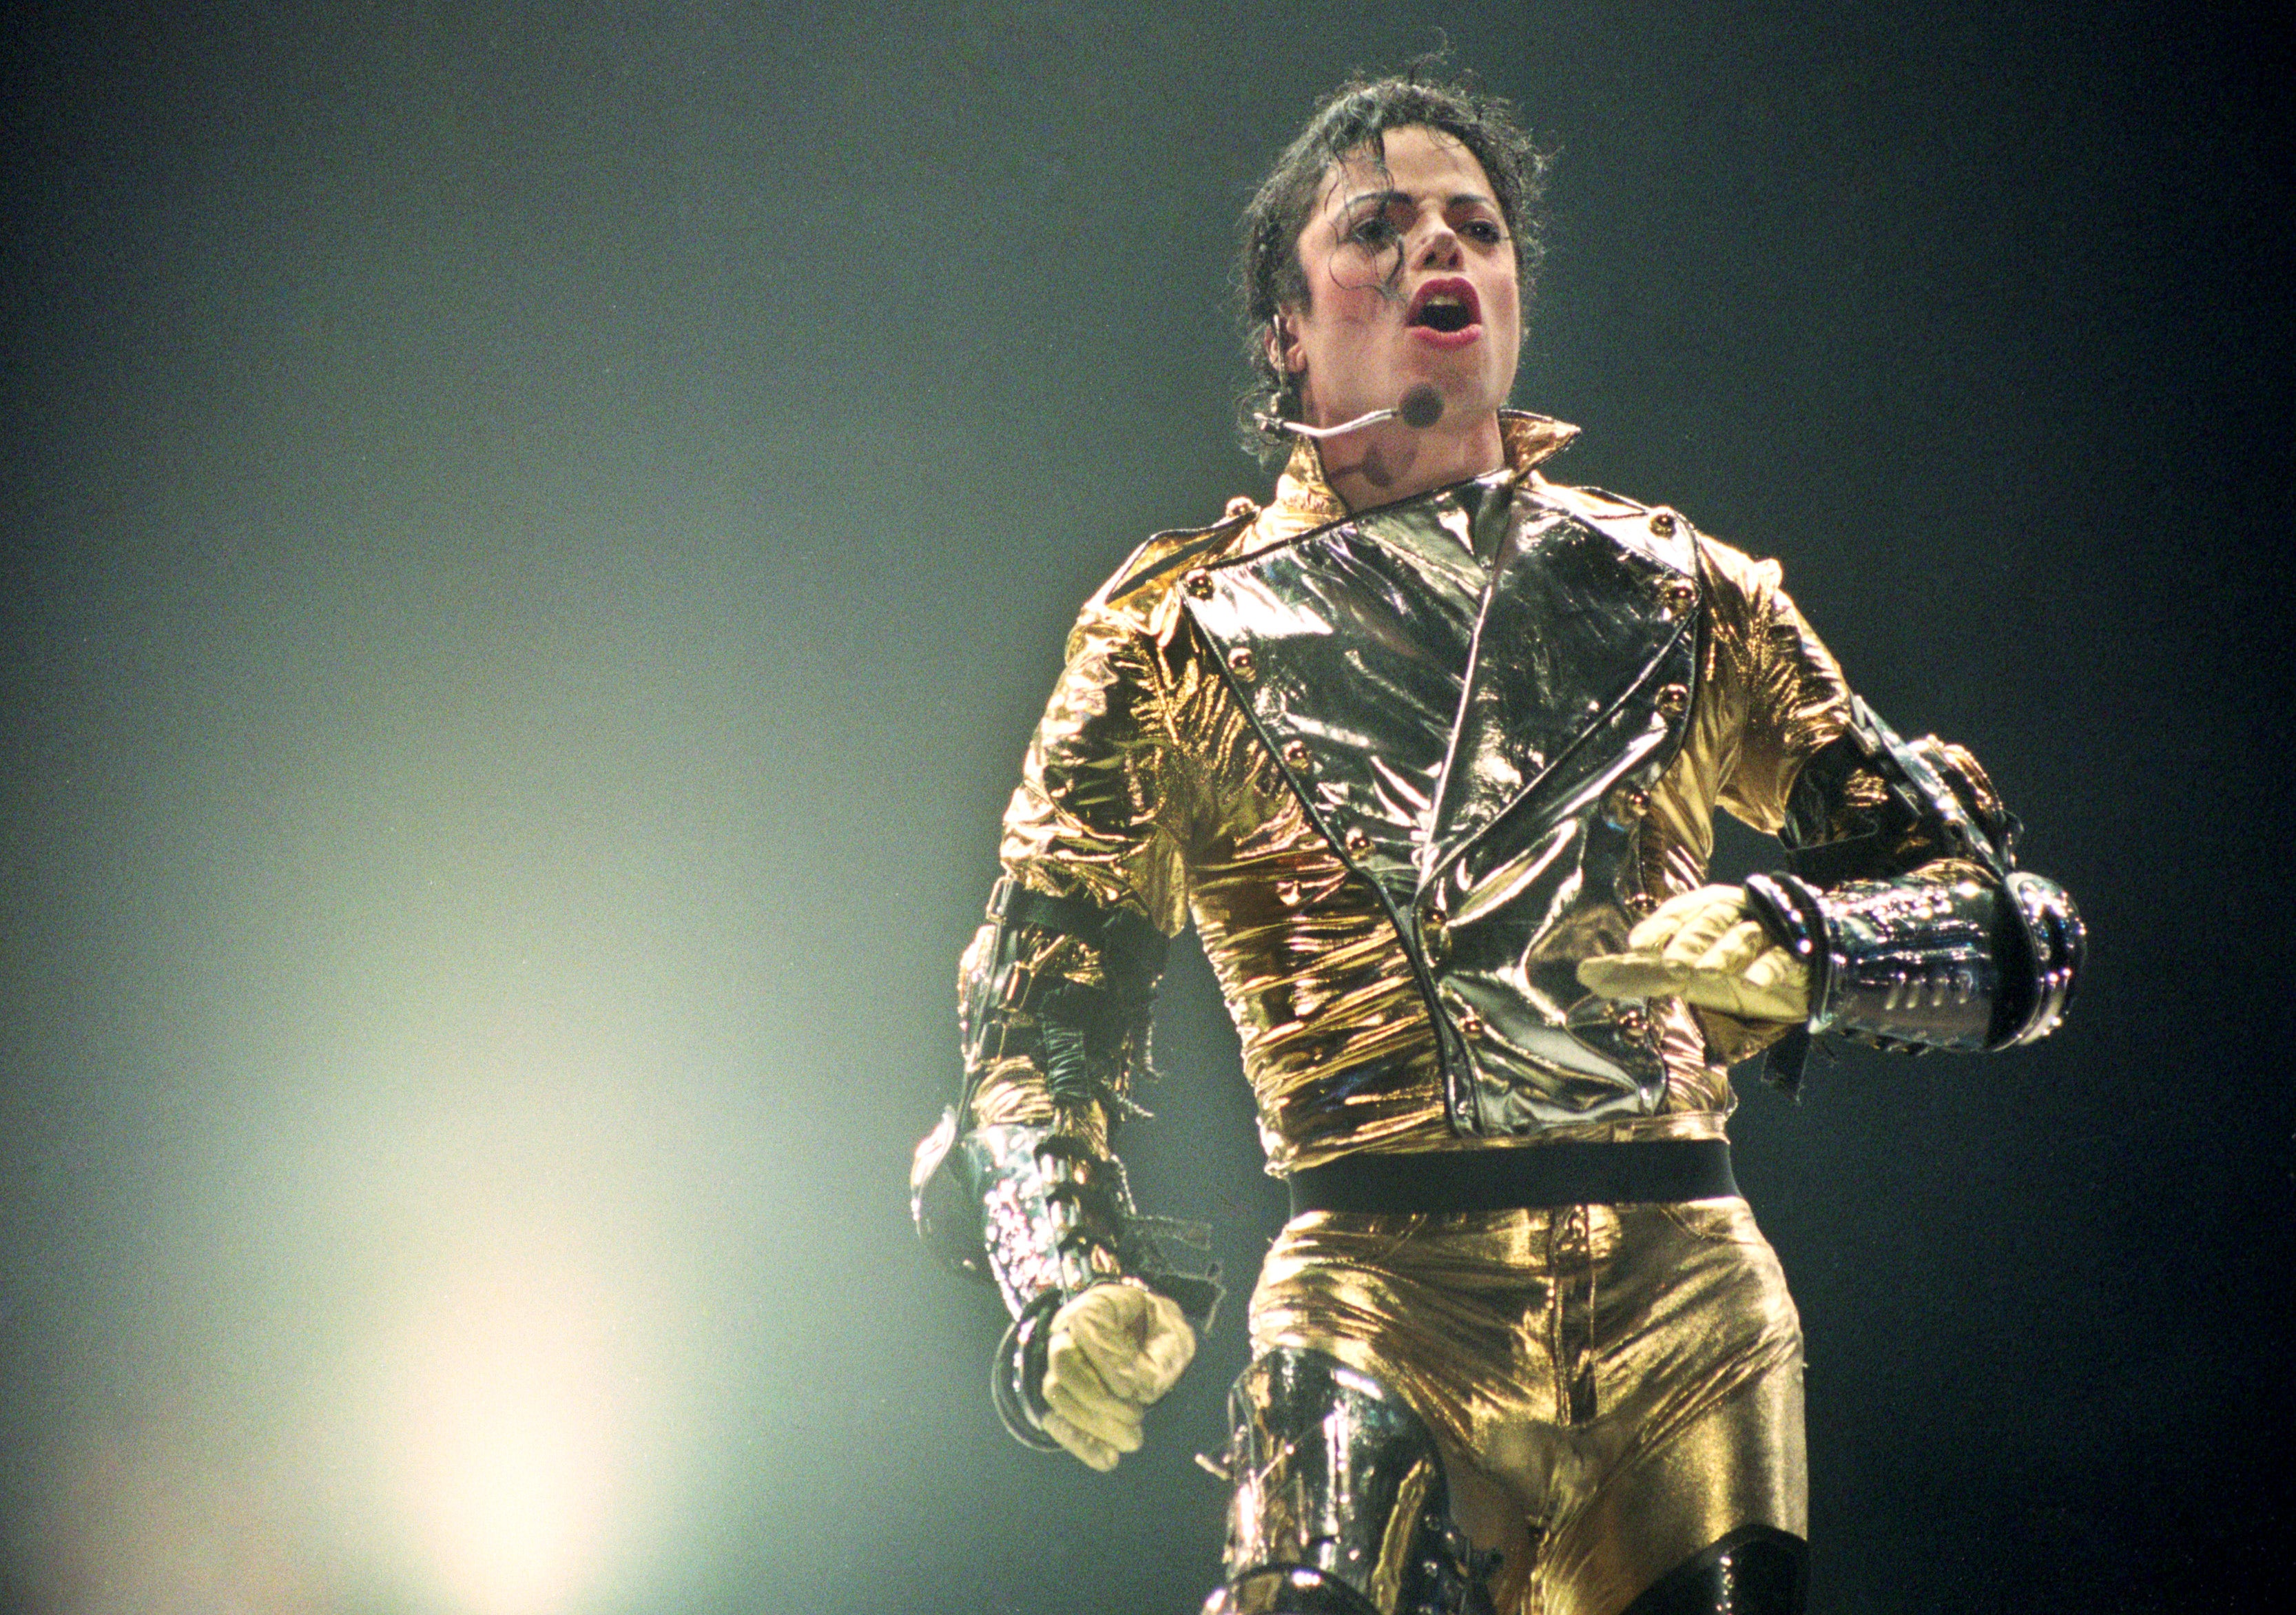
[1978,955]
[1030,1208]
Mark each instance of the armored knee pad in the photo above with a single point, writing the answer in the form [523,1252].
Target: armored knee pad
[1756,1571]
[1341,1504]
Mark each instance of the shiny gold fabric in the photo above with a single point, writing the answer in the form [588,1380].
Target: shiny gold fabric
[1145,788]
[1615,1386]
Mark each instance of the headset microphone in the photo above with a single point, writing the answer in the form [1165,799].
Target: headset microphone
[1419,409]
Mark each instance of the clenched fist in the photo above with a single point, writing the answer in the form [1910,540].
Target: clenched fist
[1705,947]
[1113,1352]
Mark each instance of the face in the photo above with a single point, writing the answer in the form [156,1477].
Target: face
[1411,278]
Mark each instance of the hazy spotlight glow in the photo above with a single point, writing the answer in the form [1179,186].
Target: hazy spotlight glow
[507,1434]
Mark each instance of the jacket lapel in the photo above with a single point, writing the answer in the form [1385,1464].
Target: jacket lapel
[1426,673]
[1575,635]
[1345,645]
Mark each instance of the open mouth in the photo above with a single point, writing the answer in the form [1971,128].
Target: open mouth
[1447,305]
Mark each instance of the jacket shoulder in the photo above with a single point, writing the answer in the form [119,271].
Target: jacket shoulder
[1148,574]
[1584,499]
[1656,532]
[1693,548]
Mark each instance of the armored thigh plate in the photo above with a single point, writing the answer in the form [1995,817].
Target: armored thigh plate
[1341,1506]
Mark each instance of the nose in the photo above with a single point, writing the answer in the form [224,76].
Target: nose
[1438,247]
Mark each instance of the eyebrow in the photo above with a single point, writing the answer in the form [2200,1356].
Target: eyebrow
[1384,197]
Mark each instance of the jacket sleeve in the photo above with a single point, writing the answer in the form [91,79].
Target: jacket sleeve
[1019,1184]
[1902,890]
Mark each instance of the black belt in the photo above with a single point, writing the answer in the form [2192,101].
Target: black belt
[1566,1173]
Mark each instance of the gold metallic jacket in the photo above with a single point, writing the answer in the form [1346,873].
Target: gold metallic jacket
[1403,769]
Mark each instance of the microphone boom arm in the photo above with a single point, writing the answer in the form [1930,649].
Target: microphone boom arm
[1420,409]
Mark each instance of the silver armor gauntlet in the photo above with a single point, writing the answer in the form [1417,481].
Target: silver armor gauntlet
[1035,1208]
[1944,943]
[1956,963]
[1055,1220]
[1044,1219]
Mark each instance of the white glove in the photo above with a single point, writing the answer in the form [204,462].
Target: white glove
[1705,947]
[1114,1351]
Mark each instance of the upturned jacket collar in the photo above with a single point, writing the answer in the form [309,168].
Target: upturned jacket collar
[1304,497]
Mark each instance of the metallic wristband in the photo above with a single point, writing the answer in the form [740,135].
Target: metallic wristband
[1016,1373]
[1957,962]
[2059,944]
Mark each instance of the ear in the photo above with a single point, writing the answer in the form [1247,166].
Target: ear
[1283,349]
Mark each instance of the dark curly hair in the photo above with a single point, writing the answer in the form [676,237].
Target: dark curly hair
[1356,115]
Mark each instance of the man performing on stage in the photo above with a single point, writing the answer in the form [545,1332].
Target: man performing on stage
[1428,750]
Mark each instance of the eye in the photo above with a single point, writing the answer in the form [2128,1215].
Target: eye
[1484,230]
[1373,230]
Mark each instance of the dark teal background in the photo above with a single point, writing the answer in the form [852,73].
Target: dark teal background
[535,538]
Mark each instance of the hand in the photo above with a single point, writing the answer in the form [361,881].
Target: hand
[1705,947]
[1114,1351]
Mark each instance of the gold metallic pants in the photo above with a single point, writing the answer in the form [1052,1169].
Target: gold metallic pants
[1614,1387]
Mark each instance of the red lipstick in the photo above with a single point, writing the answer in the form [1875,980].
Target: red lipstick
[1446,313]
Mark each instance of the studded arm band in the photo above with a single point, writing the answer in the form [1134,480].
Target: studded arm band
[1954,962]
[1088,1037]
[1905,902]
[1079,1035]
[1054,1216]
